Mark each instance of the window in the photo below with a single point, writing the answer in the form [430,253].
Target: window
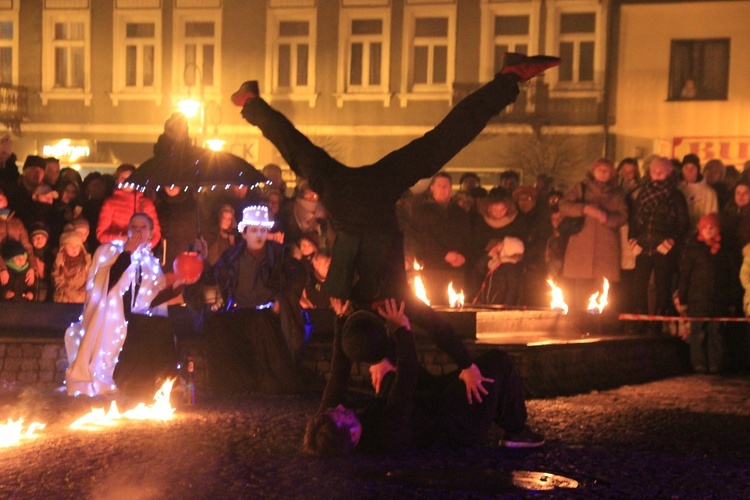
[66,55]
[507,27]
[137,55]
[291,45]
[578,39]
[9,47]
[364,55]
[699,70]
[430,42]
[197,52]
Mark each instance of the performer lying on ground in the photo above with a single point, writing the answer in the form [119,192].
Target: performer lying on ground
[126,296]
[411,408]
[367,263]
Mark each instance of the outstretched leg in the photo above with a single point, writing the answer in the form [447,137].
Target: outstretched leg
[304,158]
[425,156]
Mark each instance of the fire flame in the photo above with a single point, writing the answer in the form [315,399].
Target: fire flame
[419,289]
[557,304]
[13,433]
[160,410]
[455,299]
[598,302]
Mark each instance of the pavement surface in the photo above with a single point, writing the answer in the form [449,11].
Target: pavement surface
[685,437]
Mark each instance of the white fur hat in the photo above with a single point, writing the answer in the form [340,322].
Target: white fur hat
[255,215]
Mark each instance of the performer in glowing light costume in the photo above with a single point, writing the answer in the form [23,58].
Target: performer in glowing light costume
[125,278]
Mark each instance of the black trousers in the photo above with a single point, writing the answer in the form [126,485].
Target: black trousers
[246,352]
[148,356]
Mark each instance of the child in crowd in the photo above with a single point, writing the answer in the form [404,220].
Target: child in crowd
[313,296]
[17,264]
[70,269]
[81,226]
[45,257]
[706,282]
[504,281]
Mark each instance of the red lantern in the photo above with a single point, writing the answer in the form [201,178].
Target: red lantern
[188,266]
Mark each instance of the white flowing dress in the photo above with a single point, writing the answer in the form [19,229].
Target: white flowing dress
[94,343]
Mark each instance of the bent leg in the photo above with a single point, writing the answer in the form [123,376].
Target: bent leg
[503,404]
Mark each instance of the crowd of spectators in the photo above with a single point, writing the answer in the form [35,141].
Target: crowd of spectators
[642,231]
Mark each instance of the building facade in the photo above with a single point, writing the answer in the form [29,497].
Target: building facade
[681,80]
[92,81]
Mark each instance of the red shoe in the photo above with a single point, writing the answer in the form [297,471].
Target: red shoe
[527,67]
[248,90]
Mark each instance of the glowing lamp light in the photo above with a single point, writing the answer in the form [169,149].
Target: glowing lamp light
[557,303]
[189,107]
[456,300]
[13,432]
[215,144]
[597,302]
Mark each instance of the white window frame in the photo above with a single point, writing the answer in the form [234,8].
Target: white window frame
[345,91]
[49,18]
[180,90]
[120,91]
[427,92]
[575,89]
[11,15]
[489,11]
[275,17]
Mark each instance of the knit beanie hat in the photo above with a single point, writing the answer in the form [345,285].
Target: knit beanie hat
[70,238]
[711,219]
[81,222]
[11,248]
[692,158]
[38,228]
[364,337]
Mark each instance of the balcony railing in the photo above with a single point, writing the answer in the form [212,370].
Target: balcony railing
[14,106]
[534,106]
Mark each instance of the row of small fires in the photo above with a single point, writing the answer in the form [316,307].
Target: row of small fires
[597,301]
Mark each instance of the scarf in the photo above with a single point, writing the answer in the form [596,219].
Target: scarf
[12,265]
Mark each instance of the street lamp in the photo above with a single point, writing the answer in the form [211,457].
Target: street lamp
[190,107]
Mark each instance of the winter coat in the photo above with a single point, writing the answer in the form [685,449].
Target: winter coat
[595,251]
[114,217]
[13,228]
[69,276]
[16,285]
[701,200]
[660,213]
[280,272]
[707,281]
[438,230]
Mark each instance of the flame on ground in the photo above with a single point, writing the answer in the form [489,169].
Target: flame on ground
[160,410]
[598,302]
[419,289]
[557,304]
[13,432]
[455,299]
